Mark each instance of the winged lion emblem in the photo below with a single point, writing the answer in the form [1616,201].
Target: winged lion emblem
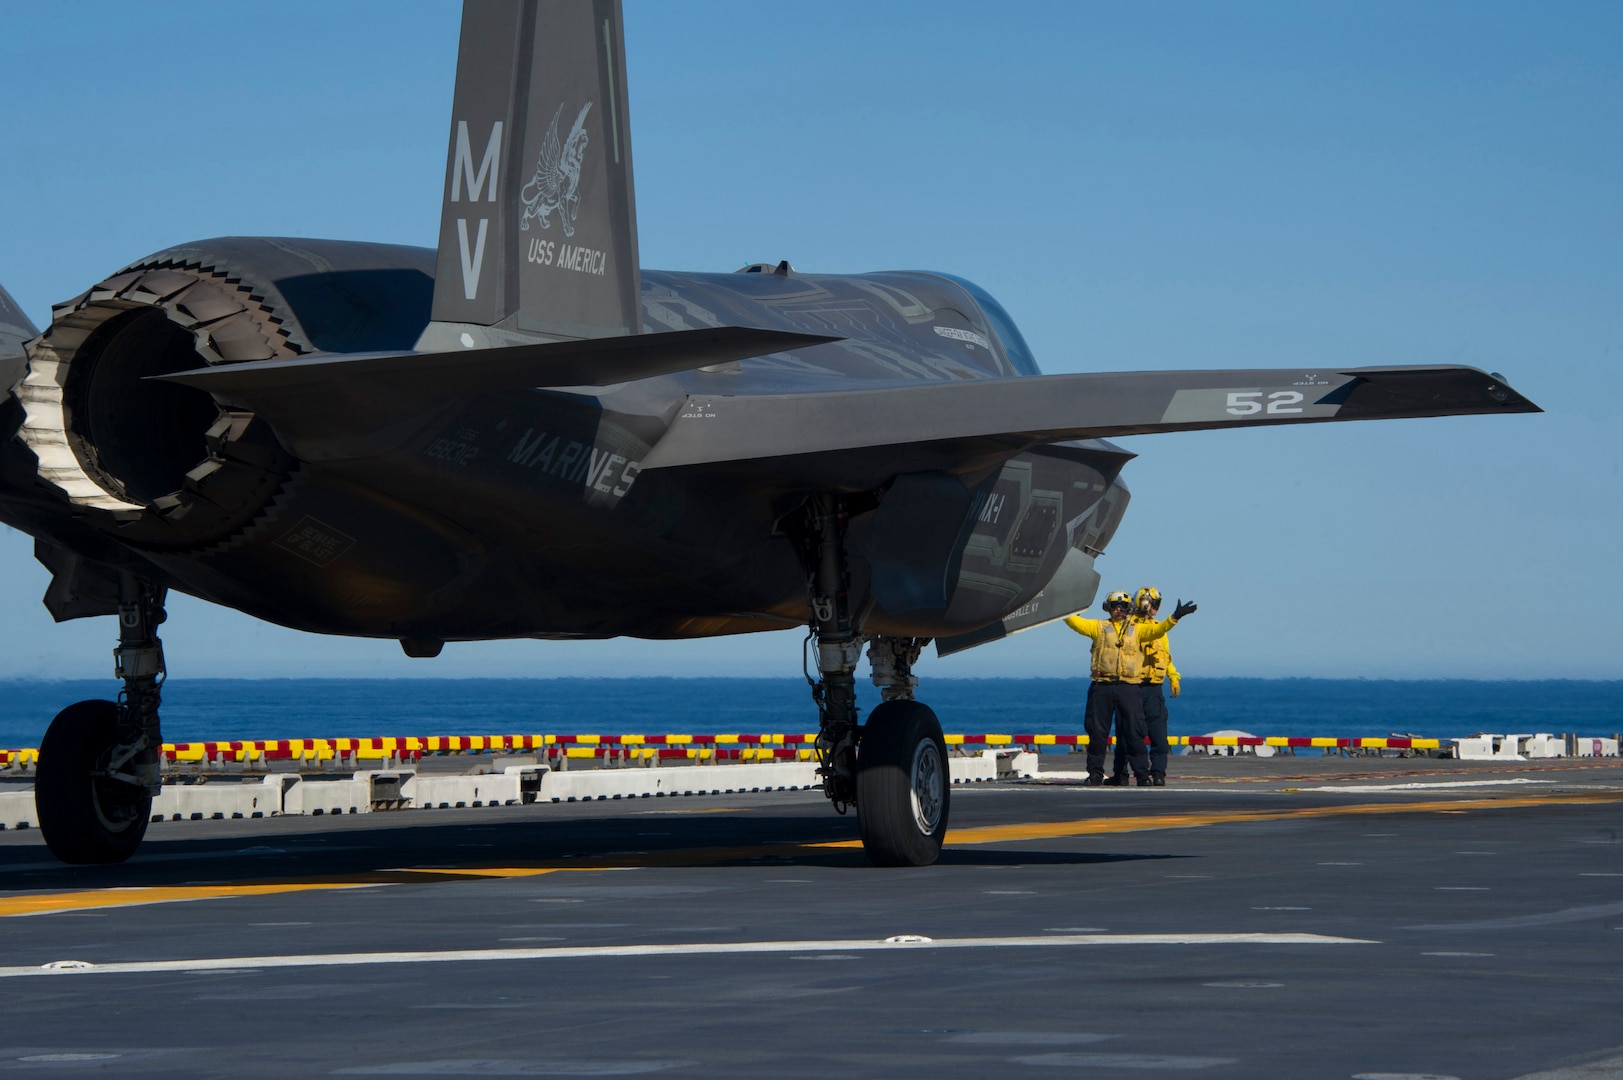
[556,183]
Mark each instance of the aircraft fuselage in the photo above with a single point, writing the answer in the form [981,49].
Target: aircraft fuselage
[531,512]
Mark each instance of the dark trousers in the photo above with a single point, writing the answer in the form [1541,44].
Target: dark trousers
[1122,703]
[1155,727]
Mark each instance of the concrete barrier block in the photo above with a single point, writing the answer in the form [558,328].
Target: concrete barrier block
[1544,745]
[1586,747]
[973,770]
[1509,747]
[394,789]
[505,788]
[17,808]
[256,797]
[1475,748]
[583,786]
[1022,764]
[327,794]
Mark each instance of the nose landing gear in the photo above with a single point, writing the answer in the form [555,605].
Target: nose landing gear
[99,762]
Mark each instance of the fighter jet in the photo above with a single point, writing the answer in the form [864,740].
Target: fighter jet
[524,434]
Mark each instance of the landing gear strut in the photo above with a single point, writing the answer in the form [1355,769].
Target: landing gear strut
[99,762]
[894,767]
[838,649]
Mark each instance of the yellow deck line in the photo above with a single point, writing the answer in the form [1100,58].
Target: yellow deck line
[992,834]
[47,903]
[1053,830]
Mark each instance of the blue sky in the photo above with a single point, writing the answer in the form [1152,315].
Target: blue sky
[1153,185]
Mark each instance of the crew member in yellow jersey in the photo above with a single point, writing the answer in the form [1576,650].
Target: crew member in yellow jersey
[1118,670]
[1158,670]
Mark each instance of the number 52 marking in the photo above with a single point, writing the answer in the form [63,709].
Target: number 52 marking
[1249,402]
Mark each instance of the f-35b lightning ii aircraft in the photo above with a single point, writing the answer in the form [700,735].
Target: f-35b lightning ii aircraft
[522,434]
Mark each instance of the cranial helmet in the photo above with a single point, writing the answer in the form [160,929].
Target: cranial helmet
[1148,597]
[1118,597]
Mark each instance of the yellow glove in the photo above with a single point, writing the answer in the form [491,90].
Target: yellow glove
[1176,682]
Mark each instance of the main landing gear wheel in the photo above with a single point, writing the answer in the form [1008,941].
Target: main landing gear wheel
[86,817]
[903,786]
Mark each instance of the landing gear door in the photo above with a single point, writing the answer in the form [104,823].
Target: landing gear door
[1070,590]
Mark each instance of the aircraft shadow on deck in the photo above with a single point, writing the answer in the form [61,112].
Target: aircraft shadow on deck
[380,854]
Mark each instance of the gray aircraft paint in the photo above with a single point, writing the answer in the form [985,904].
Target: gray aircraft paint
[14,330]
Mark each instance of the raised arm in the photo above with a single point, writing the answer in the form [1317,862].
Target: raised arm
[1085,627]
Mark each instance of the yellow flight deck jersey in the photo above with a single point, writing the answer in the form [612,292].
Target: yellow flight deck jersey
[1118,652]
[1158,665]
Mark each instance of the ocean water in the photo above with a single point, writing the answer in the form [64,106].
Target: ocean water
[220,709]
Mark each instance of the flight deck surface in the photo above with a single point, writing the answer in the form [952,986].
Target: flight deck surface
[1285,917]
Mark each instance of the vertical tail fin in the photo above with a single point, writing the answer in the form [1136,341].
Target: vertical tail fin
[538,234]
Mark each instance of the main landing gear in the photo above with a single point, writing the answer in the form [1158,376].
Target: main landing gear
[99,762]
[893,769]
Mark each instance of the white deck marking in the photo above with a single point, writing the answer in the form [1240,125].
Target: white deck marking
[508,1067]
[1029,1038]
[1123,1061]
[1548,918]
[1243,984]
[684,949]
[1423,785]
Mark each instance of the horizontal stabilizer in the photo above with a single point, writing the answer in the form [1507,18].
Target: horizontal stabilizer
[14,330]
[317,398]
[993,416]
[14,325]
[591,362]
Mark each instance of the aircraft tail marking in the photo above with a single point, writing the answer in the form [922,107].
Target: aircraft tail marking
[538,230]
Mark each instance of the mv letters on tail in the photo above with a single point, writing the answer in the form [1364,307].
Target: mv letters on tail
[473,252]
[554,188]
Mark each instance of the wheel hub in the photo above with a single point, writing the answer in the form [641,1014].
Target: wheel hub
[925,784]
[116,803]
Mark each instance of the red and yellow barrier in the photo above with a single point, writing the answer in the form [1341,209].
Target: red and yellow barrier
[731,747]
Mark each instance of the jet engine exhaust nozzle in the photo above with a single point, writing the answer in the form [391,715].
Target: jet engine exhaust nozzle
[166,465]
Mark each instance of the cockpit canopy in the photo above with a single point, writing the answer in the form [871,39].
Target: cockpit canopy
[1002,326]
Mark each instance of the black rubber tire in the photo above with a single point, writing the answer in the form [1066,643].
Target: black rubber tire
[900,750]
[85,819]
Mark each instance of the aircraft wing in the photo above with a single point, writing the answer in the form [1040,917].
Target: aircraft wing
[999,415]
